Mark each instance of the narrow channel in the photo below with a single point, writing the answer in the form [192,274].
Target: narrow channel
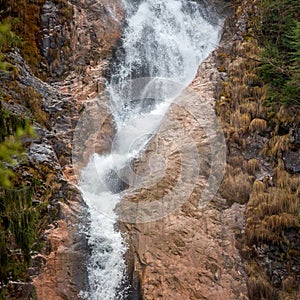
[161,39]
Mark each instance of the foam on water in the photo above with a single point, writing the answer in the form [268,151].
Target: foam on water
[166,39]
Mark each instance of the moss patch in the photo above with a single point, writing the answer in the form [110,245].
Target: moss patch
[28,27]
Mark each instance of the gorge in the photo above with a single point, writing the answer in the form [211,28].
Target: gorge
[161,41]
[157,171]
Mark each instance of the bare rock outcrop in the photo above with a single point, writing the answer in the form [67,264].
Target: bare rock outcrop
[77,43]
[78,38]
[91,35]
[191,252]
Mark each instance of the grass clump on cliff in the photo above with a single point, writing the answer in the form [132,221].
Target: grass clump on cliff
[259,109]
[7,39]
[12,127]
[27,28]
[29,97]
[11,148]
[273,207]
[18,217]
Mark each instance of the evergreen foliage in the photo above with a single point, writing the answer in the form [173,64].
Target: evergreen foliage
[280,37]
[28,28]
[18,218]
[12,130]
[12,127]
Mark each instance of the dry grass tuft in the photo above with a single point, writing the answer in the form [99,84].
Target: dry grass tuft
[236,185]
[250,79]
[259,285]
[33,100]
[258,126]
[276,146]
[236,161]
[248,49]
[237,67]
[240,121]
[252,166]
[240,92]
[260,288]
[258,92]
[276,223]
[259,187]
[249,107]
[271,209]
[288,284]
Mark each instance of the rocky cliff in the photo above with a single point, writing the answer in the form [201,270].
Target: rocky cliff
[261,141]
[91,35]
[242,244]
[74,41]
[191,252]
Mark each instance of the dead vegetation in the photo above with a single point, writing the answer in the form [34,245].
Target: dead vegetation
[272,200]
[31,99]
[276,146]
[259,286]
[236,186]
[258,126]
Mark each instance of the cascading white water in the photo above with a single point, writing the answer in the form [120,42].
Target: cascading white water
[166,39]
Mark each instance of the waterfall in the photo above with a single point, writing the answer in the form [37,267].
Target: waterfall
[161,39]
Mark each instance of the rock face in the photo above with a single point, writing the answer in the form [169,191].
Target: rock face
[77,47]
[63,268]
[190,256]
[80,48]
[78,38]
[48,154]
[191,253]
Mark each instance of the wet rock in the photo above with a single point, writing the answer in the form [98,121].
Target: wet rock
[281,262]
[20,290]
[59,270]
[64,268]
[87,37]
[38,263]
[295,136]
[192,252]
[105,136]
[74,37]
[43,154]
[292,161]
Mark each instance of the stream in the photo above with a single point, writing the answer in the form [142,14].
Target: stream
[162,40]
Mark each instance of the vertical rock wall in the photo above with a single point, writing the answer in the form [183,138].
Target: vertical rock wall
[77,52]
[77,40]
[192,253]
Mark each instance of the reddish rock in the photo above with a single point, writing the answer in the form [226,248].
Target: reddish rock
[63,274]
[190,253]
